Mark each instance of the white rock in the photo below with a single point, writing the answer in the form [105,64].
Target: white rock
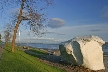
[85,51]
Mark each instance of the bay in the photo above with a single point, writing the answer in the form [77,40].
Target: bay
[41,45]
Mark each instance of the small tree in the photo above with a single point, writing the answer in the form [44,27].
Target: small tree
[7,36]
[28,12]
[0,37]
[8,28]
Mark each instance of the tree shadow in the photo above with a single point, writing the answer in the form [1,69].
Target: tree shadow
[47,57]
[7,50]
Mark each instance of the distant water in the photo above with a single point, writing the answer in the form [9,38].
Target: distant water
[49,46]
[105,50]
[105,47]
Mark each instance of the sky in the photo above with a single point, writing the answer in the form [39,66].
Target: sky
[68,19]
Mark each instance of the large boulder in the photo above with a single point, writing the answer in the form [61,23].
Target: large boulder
[85,51]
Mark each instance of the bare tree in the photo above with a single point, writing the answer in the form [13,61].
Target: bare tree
[8,29]
[7,36]
[32,15]
[0,37]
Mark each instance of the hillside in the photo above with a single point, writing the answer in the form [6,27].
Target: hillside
[19,61]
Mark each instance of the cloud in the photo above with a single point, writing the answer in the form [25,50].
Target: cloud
[95,30]
[67,32]
[105,12]
[81,30]
[56,23]
[41,40]
[55,33]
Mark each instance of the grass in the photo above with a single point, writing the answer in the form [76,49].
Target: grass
[39,51]
[19,61]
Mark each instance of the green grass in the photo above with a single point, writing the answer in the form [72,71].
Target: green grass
[19,61]
[39,51]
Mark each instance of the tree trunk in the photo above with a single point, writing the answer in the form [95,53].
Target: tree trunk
[17,25]
[14,36]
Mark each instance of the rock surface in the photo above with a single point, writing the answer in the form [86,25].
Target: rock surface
[85,51]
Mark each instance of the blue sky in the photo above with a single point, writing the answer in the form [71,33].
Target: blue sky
[70,18]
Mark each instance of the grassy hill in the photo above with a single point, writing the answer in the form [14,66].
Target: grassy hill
[19,61]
